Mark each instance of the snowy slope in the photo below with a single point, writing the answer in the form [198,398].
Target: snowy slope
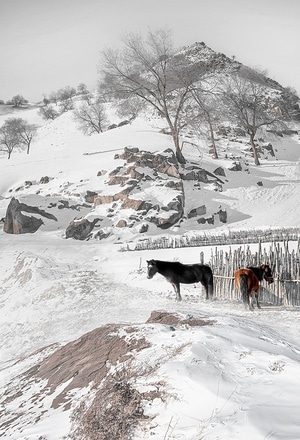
[237,378]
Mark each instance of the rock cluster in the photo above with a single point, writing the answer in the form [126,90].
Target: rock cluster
[141,170]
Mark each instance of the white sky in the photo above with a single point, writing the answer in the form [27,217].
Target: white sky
[46,45]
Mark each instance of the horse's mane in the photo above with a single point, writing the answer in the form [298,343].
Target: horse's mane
[257,271]
[162,264]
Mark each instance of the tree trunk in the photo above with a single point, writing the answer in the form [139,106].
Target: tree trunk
[178,152]
[179,155]
[28,147]
[212,137]
[254,150]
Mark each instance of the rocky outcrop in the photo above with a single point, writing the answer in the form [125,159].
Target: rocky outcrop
[142,170]
[16,222]
[80,229]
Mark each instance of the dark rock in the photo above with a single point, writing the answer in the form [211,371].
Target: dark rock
[80,229]
[90,196]
[236,166]
[223,215]
[123,123]
[17,223]
[44,179]
[101,235]
[220,172]
[144,228]
[112,126]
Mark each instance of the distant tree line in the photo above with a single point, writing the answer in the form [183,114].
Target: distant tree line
[61,101]
[16,101]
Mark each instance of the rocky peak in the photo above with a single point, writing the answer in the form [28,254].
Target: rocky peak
[201,54]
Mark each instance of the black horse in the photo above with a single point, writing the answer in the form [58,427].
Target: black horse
[177,273]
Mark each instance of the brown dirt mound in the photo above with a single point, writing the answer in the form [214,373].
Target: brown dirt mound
[173,319]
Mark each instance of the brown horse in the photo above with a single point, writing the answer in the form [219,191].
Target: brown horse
[247,282]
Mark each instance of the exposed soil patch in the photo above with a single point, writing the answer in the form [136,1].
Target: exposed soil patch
[173,319]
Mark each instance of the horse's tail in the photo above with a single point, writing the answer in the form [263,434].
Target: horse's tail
[244,288]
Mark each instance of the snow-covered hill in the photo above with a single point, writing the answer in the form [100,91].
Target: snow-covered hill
[237,377]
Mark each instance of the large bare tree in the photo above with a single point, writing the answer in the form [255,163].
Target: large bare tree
[145,67]
[251,104]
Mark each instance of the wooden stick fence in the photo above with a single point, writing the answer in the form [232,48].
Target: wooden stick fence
[209,239]
[285,265]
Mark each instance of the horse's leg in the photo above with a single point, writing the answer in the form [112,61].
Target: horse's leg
[176,287]
[244,288]
[251,301]
[206,290]
[205,287]
[256,297]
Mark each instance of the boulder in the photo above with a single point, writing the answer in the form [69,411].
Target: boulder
[144,228]
[16,222]
[90,196]
[80,229]
[121,223]
[236,166]
[220,172]
[223,215]
[44,180]
[195,173]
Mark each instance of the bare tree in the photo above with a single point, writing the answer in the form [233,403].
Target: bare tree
[146,68]
[91,117]
[66,93]
[8,138]
[18,101]
[48,112]
[65,105]
[16,132]
[25,132]
[250,105]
